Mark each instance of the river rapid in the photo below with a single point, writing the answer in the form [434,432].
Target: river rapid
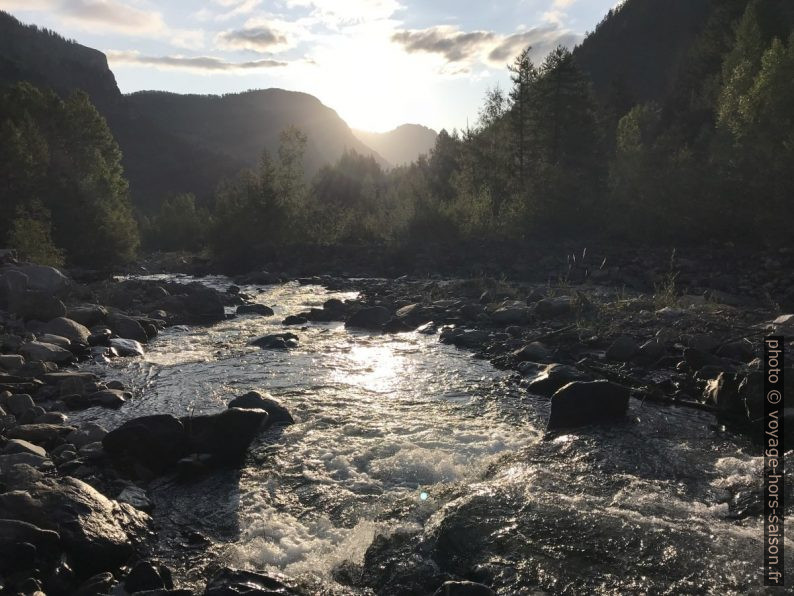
[412,460]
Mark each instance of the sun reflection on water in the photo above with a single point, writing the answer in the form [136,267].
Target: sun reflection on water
[377,369]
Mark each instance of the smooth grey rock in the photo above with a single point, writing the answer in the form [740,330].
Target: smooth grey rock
[127,327]
[11,361]
[88,315]
[71,330]
[20,446]
[44,278]
[255,400]
[126,347]
[36,351]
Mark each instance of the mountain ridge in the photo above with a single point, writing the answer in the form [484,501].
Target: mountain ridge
[401,145]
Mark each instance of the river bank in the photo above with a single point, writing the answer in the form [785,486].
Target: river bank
[691,354]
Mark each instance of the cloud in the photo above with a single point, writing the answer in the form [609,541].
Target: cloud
[542,40]
[205,64]
[462,50]
[261,39]
[28,4]
[112,14]
[102,16]
[234,8]
[558,13]
[454,45]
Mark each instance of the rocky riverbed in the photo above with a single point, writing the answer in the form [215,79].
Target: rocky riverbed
[607,396]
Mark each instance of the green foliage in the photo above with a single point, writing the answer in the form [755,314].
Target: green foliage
[61,156]
[180,225]
[31,235]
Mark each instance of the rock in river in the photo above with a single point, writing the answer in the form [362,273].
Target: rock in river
[126,347]
[159,442]
[255,400]
[127,327]
[276,341]
[156,442]
[582,403]
[255,309]
[555,376]
[229,582]
[374,317]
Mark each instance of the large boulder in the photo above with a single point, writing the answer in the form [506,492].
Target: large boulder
[98,534]
[159,442]
[225,435]
[373,318]
[156,442]
[203,304]
[127,327]
[257,401]
[44,279]
[88,314]
[582,403]
[555,376]
[36,351]
[71,330]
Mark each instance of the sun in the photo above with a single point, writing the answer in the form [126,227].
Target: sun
[371,82]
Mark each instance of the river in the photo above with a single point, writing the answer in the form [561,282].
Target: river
[402,435]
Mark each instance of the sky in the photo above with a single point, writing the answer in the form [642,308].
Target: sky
[378,63]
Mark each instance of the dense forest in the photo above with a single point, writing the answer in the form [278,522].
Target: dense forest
[582,145]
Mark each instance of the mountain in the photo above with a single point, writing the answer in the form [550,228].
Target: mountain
[402,145]
[640,47]
[174,143]
[240,125]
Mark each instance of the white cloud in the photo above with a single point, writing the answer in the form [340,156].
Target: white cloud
[112,15]
[28,4]
[462,50]
[201,64]
[558,12]
[105,16]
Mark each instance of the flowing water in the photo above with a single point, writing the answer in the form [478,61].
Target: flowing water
[399,435]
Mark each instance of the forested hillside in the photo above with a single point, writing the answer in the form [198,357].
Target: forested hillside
[673,122]
[173,143]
